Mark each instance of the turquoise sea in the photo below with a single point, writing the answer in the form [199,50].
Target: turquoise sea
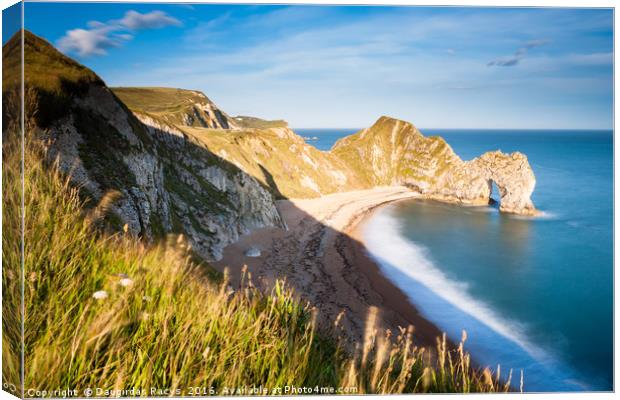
[533,294]
[324,139]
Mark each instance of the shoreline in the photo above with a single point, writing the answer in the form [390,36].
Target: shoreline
[426,332]
[323,258]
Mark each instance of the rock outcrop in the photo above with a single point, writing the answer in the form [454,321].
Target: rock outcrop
[394,152]
[514,178]
[211,200]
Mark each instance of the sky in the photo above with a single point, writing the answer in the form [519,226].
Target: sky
[345,66]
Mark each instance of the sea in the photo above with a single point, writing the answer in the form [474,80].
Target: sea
[534,294]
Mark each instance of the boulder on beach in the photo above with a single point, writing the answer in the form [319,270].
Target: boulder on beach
[252,252]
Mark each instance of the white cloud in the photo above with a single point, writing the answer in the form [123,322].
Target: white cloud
[153,20]
[86,42]
[102,36]
[125,36]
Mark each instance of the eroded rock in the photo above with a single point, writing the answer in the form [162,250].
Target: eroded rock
[394,152]
[514,178]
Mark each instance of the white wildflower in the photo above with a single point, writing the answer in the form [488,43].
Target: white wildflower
[126,282]
[100,295]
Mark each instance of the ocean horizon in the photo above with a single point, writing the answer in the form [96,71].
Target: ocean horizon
[324,138]
[533,294]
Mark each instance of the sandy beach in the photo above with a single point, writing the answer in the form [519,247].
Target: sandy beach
[322,257]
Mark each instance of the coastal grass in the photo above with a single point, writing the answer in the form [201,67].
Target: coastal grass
[159,100]
[283,162]
[258,123]
[107,311]
[171,104]
[46,69]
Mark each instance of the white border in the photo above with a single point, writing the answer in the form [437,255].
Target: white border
[481,3]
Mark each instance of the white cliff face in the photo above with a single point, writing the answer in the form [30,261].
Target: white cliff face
[212,200]
[207,115]
[167,183]
[101,151]
[471,182]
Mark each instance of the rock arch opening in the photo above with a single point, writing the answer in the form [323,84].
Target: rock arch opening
[495,196]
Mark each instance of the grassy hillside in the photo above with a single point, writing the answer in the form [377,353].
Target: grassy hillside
[257,123]
[45,67]
[174,106]
[394,151]
[108,311]
[54,76]
[279,159]
[159,100]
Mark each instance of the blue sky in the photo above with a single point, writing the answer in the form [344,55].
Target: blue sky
[11,21]
[337,66]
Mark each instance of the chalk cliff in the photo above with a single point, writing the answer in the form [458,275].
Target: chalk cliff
[394,152]
[513,176]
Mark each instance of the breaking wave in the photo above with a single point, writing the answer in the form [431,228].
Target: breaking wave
[448,303]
